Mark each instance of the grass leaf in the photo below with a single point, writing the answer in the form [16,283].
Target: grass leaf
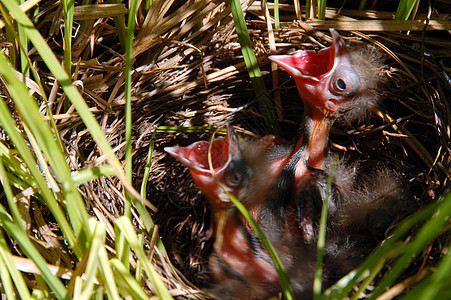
[124,225]
[72,94]
[264,100]
[287,290]
[405,8]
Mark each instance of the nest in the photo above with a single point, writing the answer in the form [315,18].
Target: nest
[188,71]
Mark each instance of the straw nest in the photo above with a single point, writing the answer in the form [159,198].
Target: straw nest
[188,71]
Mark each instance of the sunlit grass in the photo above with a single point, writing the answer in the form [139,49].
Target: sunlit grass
[34,166]
[56,187]
[264,100]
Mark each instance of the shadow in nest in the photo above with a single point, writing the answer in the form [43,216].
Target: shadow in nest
[188,70]
[409,131]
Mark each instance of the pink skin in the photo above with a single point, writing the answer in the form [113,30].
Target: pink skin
[195,157]
[231,245]
[327,84]
[319,78]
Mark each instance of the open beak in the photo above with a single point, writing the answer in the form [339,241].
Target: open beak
[311,65]
[326,79]
[196,158]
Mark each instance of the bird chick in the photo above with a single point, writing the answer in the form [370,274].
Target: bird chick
[333,83]
[235,166]
[336,82]
[373,203]
[240,264]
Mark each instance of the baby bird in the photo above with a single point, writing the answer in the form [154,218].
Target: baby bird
[230,170]
[283,186]
[333,83]
[248,170]
[337,84]
[240,264]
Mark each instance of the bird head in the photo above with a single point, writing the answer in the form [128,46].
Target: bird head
[208,164]
[228,166]
[333,80]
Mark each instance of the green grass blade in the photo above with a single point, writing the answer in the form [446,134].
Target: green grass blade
[5,279]
[438,281]
[122,247]
[391,247]
[72,93]
[128,283]
[24,60]
[86,175]
[68,8]
[14,165]
[144,215]
[10,127]
[362,4]
[149,226]
[9,271]
[148,165]
[127,229]
[43,291]
[287,290]
[405,8]
[276,15]
[317,283]
[199,129]
[264,100]
[77,287]
[45,139]
[10,196]
[23,46]
[322,9]
[119,22]
[92,265]
[29,249]
[128,102]
[111,283]
[429,231]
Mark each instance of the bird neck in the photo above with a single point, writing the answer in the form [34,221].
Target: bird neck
[240,251]
[316,135]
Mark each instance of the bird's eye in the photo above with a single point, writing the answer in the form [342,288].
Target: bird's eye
[236,174]
[341,84]
[346,82]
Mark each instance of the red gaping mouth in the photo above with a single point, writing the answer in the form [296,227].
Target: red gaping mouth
[311,64]
[196,155]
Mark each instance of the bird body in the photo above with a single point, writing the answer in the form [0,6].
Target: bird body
[339,84]
[245,170]
[333,83]
[283,186]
